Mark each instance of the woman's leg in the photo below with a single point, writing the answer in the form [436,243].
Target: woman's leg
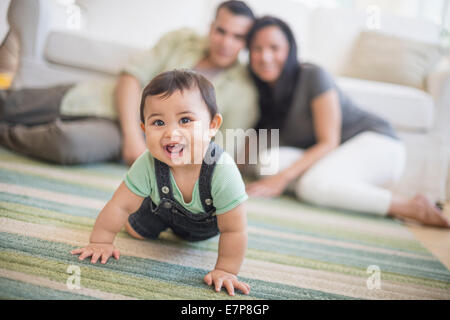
[355,177]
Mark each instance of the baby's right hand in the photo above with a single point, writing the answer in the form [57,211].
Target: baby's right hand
[97,250]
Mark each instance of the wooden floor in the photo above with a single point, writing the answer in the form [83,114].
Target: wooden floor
[436,240]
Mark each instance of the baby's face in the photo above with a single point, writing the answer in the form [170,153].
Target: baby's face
[178,128]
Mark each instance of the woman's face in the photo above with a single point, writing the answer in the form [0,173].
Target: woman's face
[268,53]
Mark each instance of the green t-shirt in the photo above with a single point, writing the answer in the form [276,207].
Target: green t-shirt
[227,186]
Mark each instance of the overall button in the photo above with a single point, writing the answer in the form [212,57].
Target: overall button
[208,202]
[167,205]
[174,210]
[165,189]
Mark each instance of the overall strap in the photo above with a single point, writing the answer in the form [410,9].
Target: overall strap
[162,172]
[206,173]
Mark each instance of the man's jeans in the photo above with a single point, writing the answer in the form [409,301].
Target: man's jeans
[31,124]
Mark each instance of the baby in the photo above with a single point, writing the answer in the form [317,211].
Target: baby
[184,181]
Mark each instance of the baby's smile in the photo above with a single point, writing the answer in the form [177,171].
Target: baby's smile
[174,150]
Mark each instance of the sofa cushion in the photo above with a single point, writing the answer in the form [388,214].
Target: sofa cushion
[333,31]
[381,57]
[75,50]
[405,107]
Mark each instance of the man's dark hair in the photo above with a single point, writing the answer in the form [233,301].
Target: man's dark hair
[239,8]
[166,83]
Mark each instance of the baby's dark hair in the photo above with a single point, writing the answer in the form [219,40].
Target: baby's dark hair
[168,82]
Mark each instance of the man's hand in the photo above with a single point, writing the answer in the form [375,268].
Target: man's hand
[97,250]
[222,278]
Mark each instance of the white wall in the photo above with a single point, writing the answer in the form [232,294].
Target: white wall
[171,14]
[199,13]
[168,15]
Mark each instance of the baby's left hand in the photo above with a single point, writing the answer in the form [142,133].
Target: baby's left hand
[228,280]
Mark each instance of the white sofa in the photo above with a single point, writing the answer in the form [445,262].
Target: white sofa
[113,30]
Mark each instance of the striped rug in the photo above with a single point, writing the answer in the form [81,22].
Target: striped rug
[295,251]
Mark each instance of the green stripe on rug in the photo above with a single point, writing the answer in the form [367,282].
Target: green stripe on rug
[417,267]
[286,225]
[350,257]
[167,239]
[44,217]
[184,282]
[298,261]
[282,225]
[13,289]
[14,201]
[428,269]
[52,185]
[100,170]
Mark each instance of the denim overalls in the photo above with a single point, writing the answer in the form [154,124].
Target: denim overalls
[150,220]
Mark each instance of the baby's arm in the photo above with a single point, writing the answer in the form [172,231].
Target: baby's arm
[109,222]
[232,246]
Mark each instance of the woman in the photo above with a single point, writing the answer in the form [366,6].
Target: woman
[332,153]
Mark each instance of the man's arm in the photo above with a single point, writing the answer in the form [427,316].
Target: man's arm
[127,96]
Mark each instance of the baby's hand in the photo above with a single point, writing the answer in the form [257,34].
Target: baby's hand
[97,250]
[228,280]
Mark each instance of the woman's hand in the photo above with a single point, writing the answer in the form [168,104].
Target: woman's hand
[222,278]
[97,250]
[271,186]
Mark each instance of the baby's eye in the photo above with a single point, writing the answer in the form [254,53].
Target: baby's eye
[185,120]
[158,123]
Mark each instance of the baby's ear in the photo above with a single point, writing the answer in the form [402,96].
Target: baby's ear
[215,124]
[143,126]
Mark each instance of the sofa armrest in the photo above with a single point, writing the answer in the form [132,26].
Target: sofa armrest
[31,21]
[438,85]
[438,79]
[102,56]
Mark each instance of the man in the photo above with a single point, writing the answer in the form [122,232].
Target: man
[78,124]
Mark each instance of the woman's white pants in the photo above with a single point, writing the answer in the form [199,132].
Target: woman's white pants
[355,176]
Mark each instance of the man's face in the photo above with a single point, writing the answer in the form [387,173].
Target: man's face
[227,37]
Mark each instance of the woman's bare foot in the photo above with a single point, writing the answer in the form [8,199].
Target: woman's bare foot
[419,209]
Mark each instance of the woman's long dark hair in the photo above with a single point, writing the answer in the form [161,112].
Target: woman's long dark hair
[275,101]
